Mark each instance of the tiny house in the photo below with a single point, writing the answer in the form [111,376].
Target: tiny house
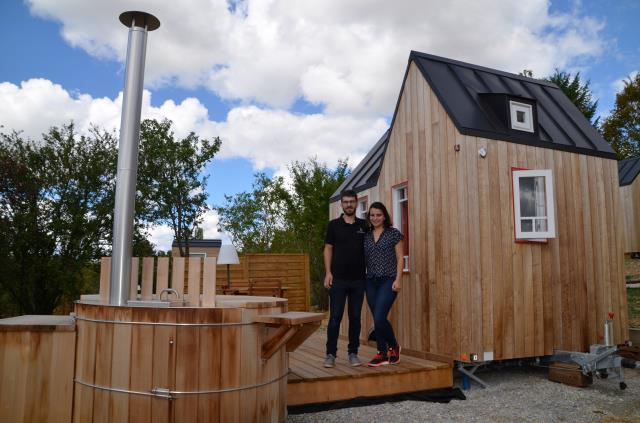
[509,202]
[628,171]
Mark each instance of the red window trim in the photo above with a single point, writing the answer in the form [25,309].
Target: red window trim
[513,213]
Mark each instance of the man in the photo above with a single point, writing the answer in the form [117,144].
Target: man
[345,276]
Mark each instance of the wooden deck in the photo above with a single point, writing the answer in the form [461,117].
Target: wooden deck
[309,382]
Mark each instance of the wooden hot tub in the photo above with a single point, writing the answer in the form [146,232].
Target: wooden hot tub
[194,364]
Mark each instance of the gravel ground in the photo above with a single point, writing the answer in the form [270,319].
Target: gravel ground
[515,394]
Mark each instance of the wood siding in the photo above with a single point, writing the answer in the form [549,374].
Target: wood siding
[471,288]
[37,359]
[630,197]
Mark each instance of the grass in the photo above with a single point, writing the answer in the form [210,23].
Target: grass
[632,269]
[633,300]
[632,273]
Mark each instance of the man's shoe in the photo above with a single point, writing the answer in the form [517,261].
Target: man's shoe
[354,360]
[378,360]
[394,355]
[330,361]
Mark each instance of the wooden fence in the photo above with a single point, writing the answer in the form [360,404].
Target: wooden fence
[292,269]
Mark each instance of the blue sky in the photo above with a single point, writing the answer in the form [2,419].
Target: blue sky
[286,80]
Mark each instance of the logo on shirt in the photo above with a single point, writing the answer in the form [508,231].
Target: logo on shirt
[360,231]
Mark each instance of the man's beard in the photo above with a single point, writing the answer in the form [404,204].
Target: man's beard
[348,212]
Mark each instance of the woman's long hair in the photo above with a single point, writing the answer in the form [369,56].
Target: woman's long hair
[387,219]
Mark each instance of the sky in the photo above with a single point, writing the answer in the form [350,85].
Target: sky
[286,80]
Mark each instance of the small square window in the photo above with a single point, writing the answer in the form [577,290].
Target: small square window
[521,116]
[533,204]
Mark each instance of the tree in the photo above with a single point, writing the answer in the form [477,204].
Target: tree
[276,218]
[171,187]
[578,92]
[308,212]
[256,220]
[622,127]
[572,86]
[56,199]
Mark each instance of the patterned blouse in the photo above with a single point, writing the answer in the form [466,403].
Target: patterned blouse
[381,256]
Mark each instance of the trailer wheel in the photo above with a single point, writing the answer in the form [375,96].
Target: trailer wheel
[623,386]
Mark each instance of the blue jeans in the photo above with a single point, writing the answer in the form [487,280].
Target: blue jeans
[340,291]
[380,297]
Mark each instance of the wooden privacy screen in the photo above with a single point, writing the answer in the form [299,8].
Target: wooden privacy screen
[194,274]
[291,269]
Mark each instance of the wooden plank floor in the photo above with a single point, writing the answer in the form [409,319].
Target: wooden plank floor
[309,382]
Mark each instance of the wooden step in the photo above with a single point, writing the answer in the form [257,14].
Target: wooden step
[290,318]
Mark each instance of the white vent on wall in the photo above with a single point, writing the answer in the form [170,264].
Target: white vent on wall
[521,116]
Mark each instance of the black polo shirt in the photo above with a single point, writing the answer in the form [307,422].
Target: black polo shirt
[347,261]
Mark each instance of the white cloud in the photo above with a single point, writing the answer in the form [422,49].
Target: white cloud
[346,56]
[265,137]
[618,84]
[273,138]
[161,236]
[210,227]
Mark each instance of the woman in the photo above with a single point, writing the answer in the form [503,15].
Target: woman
[383,252]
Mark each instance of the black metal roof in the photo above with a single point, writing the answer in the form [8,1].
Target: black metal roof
[628,170]
[469,92]
[462,89]
[365,175]
[204,243]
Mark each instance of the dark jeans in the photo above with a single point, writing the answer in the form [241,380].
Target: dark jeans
[380,297]
[340,291]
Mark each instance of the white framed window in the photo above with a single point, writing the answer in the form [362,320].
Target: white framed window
[521,116]
[363,207]
[533,204]
[401,218]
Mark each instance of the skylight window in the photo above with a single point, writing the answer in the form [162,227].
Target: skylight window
[521,116]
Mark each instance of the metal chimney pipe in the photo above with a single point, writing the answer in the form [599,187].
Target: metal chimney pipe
[138,23]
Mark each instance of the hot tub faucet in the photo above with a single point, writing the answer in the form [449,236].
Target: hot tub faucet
[169,291]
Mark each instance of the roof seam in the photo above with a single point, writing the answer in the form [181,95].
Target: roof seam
[573,122]
[480,68]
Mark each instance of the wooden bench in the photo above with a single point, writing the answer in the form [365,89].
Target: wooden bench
[238,287]
[266,287]
[292,329]
[260,287]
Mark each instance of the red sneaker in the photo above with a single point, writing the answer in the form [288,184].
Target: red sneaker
[394,355]
[378,360]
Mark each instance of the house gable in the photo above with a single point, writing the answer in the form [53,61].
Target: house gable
[628,170]
[476,99]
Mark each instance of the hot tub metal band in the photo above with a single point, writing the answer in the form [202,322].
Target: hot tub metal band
[122,322]
[168,394]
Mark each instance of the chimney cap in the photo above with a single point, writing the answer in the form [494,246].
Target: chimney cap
[141,19]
